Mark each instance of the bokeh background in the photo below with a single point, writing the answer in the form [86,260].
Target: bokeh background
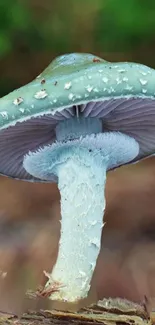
[32,33]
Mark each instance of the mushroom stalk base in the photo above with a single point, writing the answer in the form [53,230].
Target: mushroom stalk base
[81,181]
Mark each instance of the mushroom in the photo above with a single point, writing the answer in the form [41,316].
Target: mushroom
[80,118]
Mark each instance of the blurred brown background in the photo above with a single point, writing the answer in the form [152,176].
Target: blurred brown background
[32,33]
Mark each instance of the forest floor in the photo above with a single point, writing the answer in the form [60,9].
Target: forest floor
[106,311]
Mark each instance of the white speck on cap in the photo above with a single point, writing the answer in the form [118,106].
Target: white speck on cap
[105,79]
[4,114]
[71,96]
[143,73]
[96,90]
[128,87]
[78,96]
[110,90]
[118,80]
[68,85]
[89,88]
[121,70]
[18,101]
[41,94]
[22,110]
[143,81]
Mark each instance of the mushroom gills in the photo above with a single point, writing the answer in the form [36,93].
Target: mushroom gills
[79,163]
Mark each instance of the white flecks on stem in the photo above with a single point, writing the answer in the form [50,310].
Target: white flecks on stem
[82,274]
[82,206]
[95,241]
[93,222]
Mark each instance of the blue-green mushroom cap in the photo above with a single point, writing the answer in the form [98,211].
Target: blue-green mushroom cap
[121,95]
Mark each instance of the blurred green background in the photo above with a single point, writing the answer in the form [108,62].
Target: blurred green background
[33,32]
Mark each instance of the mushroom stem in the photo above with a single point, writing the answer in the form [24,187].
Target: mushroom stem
[80,168]
[81,183]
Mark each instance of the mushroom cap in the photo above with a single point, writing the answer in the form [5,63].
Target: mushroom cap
[121,94]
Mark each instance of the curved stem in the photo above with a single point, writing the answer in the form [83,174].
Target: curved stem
[79,165]
[81,183]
